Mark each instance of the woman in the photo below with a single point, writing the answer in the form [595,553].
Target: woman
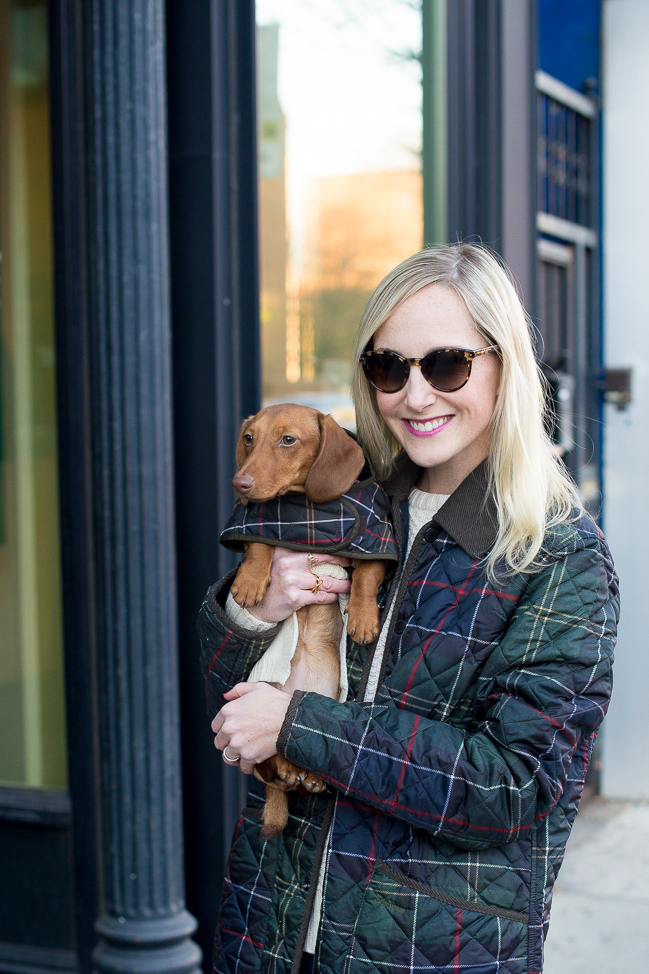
[456,765]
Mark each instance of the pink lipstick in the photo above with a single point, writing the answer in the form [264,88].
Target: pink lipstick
[427,427]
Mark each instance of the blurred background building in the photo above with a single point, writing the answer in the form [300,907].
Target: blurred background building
[196,201]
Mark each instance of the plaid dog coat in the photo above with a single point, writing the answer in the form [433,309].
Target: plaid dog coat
[357,524]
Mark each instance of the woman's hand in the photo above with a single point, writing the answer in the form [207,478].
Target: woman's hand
[291,585]
[250,723]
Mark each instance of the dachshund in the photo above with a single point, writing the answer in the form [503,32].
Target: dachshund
[283,449]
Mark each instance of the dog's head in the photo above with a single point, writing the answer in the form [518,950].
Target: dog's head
[294,448]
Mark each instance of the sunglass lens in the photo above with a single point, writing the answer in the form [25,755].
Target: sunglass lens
[447,371]
[386,371]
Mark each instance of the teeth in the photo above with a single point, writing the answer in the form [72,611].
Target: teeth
[429,426]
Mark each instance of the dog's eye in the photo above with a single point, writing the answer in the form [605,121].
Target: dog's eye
[288,440]
[247,438]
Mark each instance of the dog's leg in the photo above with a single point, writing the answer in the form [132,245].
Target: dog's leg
[316,663]
[362,608]
[253,577]
[315,666]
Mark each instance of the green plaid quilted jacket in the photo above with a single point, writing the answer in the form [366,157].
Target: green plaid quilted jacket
[452,795]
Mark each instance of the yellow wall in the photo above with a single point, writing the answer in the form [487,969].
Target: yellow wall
[32,711]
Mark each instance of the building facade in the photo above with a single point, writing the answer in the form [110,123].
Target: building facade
[195,202]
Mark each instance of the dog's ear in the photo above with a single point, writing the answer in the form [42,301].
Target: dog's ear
[241,449]
[337,465]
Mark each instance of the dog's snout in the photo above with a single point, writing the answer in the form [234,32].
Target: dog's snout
[243,485]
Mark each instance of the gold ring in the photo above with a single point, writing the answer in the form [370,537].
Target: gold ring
[313,561]
[318,583]
[227,759]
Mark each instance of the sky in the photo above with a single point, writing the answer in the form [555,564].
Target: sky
[350,88]
[351,98]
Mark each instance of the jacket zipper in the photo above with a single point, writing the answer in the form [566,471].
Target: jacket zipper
[313,885]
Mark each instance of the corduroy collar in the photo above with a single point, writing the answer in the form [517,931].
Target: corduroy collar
[469,516]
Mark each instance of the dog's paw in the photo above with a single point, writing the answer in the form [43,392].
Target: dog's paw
[362,621]
[280,773]
[287,774]
[247,592]
[313,784]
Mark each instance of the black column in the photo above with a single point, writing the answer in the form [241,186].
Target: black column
[144,926]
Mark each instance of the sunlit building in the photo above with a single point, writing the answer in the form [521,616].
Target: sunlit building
[273,232]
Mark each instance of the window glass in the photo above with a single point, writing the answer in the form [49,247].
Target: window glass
[32,721]
[339,104]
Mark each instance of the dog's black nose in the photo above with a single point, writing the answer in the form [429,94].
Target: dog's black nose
[243,485]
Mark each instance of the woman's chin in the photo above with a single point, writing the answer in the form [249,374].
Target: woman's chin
[424,452]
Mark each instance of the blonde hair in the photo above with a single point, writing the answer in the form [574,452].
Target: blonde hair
[530,486]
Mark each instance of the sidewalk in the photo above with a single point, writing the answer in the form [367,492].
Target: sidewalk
[600,914]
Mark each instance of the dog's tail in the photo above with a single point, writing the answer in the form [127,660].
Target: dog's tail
[275,812]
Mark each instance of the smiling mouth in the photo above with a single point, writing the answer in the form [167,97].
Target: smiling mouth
[426,427]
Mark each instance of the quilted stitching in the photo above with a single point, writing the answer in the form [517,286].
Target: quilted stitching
[464,774]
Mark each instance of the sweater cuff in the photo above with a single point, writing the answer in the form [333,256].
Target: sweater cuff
[215,625]
[245,619]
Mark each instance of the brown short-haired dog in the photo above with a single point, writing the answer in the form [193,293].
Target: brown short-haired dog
[290,448]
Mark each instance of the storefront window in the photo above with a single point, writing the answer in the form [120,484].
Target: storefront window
[32,718]
[340,121]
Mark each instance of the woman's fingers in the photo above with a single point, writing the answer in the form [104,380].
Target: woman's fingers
[325,583]
[330,560]
[308,589]
[221,740]
[292,582]
[287,560]
[326,593]
[238,690]
[251,724]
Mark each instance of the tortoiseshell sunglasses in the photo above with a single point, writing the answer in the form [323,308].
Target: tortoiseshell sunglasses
[446,369]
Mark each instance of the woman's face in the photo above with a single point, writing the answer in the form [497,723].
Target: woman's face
[436,317]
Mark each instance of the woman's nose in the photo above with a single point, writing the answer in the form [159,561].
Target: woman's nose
[419,392]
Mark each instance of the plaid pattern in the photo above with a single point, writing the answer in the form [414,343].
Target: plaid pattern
[455,791]
[357,523]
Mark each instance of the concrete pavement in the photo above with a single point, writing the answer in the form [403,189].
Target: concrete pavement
[600,913]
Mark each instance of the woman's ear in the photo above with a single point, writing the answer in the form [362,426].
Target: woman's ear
[337,465]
